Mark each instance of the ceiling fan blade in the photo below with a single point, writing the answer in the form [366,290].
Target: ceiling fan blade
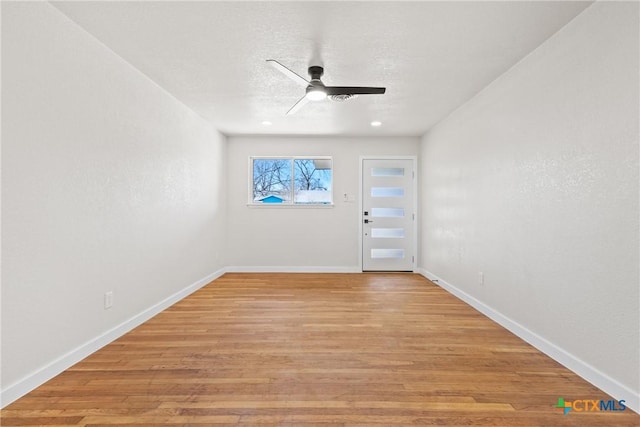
[298,105]
[287,72]
[354,90]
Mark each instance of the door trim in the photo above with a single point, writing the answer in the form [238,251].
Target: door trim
[414,162]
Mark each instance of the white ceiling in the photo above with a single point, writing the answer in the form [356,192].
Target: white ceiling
[431,56]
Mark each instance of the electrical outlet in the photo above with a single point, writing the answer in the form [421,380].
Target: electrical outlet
[481,278]
[108,300]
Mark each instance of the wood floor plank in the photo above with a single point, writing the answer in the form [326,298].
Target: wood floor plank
[329,350]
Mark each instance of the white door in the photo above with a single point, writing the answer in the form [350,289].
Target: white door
[388,217]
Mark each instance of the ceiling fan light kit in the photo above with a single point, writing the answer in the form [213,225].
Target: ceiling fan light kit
[317,91]
[316,94]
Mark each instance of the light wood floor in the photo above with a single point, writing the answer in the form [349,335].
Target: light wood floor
[330,350]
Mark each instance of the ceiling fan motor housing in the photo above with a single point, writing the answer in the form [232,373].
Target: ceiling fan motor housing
[316,72]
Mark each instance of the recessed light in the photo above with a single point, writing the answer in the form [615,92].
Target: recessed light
[376,123]
[267,123]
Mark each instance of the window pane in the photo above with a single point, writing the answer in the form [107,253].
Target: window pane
[387,233]
[387,212]
[271,180]
[387,253]
[313,181]
[387,172]
[387,191]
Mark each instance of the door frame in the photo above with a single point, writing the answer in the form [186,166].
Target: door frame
[414,162]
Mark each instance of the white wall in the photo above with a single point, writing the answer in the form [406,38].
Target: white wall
[535,183]
[108,182]
[311,239]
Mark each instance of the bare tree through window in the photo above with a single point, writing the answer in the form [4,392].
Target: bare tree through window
[307,177]
[272,177]
[292,180]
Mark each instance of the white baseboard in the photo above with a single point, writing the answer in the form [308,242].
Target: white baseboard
[291,269]
[575,364]
[44,374]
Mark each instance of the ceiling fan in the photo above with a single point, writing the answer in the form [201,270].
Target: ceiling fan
[317,91]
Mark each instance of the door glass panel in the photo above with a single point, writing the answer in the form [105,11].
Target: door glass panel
[387,253]
[387,212]
[387,233]
[387,191]
[387,171]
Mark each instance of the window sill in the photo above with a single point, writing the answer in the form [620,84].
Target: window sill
[289,206]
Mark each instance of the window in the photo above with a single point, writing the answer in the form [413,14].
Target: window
[291,181]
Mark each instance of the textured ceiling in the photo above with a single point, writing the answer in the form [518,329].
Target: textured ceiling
[431,56]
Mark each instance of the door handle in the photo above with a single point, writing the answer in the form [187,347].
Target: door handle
[367,221]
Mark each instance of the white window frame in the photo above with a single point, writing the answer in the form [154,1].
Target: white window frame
[291,203]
